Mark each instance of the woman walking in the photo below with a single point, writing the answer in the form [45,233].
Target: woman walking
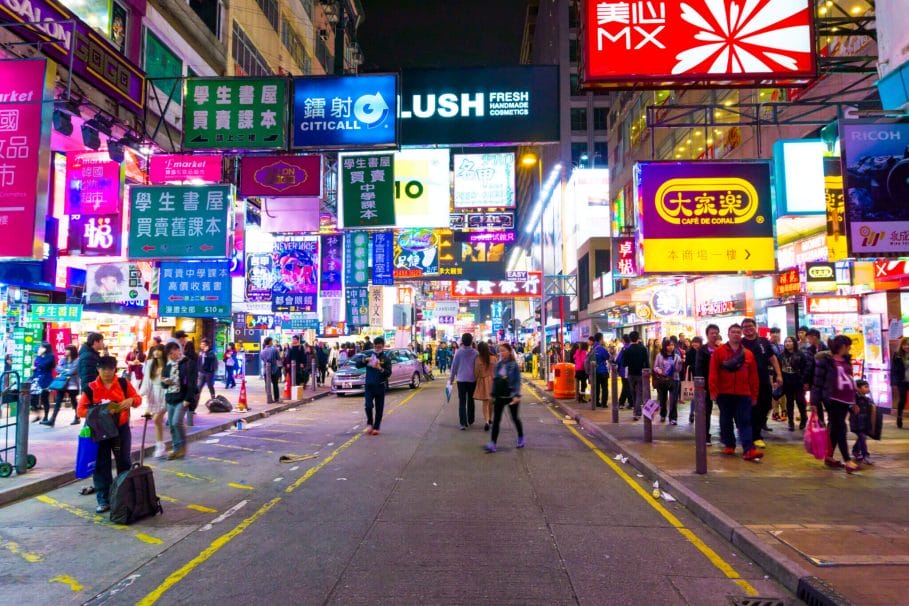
[666,368]
[899,378]
[834,388]
[67,370]
[462,373]
[580,369]
[152,391]
[483,370]
[44,375]
[793,367]
[135,362]
[507,392]
[230,366]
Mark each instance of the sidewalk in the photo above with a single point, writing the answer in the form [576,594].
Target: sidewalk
[794,516]
[55,447]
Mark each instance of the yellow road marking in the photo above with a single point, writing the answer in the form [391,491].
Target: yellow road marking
[201,508]
[148,539]
[69,582]
[167,499]
[242,435]
[95,518]
[718,562]
[181,474]
[13,548]
[217,460]
[216,545]
[236,447]
[241,486]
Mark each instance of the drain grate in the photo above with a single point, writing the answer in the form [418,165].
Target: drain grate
[756,601]
[817,592]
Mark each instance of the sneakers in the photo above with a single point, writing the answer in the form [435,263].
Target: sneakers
[102,508]
[728,450]
[160,450]
[490,448]
[831,462]
[753,455]
[673,422]
[760,443]
[374,432]
[851,466]
[521,442]
[368,430]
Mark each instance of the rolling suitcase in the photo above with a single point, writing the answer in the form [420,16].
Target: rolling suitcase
[132,495]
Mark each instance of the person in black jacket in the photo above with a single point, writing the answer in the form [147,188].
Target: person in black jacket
[378,370]
[208,367]
[689,365]
[179,395]
[635,358]
[815,345]
[89,357]
[899,378]
[702,368]
[192,366]
[793,365]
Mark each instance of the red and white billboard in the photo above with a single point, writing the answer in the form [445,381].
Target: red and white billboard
[530,288]
[636,41]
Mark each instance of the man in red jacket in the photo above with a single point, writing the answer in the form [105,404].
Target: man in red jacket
[107,390]
[734,386]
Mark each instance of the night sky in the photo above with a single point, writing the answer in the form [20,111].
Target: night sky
[441,33]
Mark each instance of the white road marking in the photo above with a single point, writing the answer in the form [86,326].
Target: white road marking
[277,479]
[224,515]
[295,468]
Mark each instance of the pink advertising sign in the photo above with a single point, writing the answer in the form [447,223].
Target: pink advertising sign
[94,184]
[179,168]
[272,176]
[24,156]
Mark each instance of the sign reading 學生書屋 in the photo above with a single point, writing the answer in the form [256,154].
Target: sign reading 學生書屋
[235,113]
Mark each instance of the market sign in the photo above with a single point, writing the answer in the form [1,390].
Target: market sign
[235,113]
[181,168]
[94,184]
[820,278]
[383,258]
[480,105]
[24,147]
[94,236]
[353,111]
[115,283]
[697,41]
[356,258]
[366,194]
[706,216]
[272,176]
[625,254]
[416,254]
[876,174]
[179,221]
[833,305]
[484,181]
[195,289]
[481,220]
[77,47]
[531,288]
[835,204]
[788,282]
[45,312]
[357,302]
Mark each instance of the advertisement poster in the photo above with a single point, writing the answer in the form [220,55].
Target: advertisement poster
[484,181]
[706,216]
[462,259]
[357,111]
[356,258]
[260,276]
[235,113]
[94,235]
[24,141]
[357,301]
[114,283]
[376,314]
[273,176]
[94,184]
[383,258]
[422,188]
[179,221]
[531,288]
[181,168]
[835,197]
[367,192]
[874,340]
[296,287]
[195,289]
[876,174]
[332,265]
[416,254]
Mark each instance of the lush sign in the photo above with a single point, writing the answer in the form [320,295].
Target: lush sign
[199,289]
[697,41]
[179,221]
[235,113]
[367,191]
[706,216]
[271,176]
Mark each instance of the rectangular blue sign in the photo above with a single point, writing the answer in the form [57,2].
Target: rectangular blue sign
[195,289]
[353,111]
[383,254]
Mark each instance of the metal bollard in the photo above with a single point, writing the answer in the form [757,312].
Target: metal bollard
[22,426]
[315,370]
[269,396]
[645,395]
[700,426]
[593,390]
[614,372]
[293,377]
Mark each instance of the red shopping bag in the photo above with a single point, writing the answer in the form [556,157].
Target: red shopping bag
[816,439]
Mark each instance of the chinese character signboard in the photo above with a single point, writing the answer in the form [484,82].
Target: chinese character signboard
[354,111]
[484,181]
[235,113]
[491,236]
[876,173]
[531,288]
[45,312]
[93,184]
[705,216]
[199,289]
[697,41]
[625,254]
[59,338]
[260,276]
[114,283]
[179,168]
[462,259]
[832,305]
[357,306]
[272,176]
[332,264]
[480,105]
[179,221]
[383,258]
[367,196]
[296,287]
[376,313]
[837,240]
[94,236]
[820,278]
[356,258]
[788,282]
[24,145]
[416,254]
[481,220]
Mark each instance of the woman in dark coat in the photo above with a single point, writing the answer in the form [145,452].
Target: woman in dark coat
[899,379]
[834,388]
[793,366]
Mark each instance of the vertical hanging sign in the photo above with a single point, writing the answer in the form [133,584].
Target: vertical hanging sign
[383,258]
[367,191]
[837,240]
[356,258]
[330,285]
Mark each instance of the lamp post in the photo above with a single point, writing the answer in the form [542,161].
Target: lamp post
[528,160]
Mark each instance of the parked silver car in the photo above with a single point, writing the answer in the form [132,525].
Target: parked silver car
[406,370]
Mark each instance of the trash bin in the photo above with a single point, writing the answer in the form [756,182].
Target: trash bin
[564,387]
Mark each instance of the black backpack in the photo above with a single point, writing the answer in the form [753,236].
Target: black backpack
[133,495]
[101,423]
[219,404]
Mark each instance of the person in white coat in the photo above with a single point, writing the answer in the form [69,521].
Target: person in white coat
[152,392]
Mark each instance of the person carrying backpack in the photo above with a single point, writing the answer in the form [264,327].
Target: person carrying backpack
[118,395]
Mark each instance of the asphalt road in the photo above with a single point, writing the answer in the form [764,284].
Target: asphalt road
[417,515]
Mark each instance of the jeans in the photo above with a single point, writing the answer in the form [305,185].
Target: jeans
[498,409]
[229,377]
[760,411]
[207,379]
[670,392]
[275,386]
[374,397]
[795,395]
[735,410]
[120,448]
[634,393]
[175,415]
[466,407]
[625,395]
[836,427]
[601,394]
[860,448]
[61,394]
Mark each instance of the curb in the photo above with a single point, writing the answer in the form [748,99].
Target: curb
[788,572]
[47,484]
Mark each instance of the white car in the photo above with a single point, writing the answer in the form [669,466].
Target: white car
[406,370]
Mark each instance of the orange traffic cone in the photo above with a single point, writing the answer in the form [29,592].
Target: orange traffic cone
[241,402]
[287,387]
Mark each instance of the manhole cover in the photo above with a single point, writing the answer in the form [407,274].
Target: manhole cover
[756,601]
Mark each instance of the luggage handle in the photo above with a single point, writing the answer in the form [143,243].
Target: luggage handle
[147,416]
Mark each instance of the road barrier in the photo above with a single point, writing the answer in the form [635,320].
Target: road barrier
[614,373]
[700,425]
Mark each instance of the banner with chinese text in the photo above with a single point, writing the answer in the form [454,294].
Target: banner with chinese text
[531,288]
[45,312]
[383,258]
[296,287]
[94,184]
[835,196]
[331,265]
[235,113]
[195,289]
[416,254]
[367,193]
[356,258]
[357,300]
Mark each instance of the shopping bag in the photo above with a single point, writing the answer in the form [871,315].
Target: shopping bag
[687,391]
[875,422]
[86,454]
[650,408]
[448,392]
[816,439]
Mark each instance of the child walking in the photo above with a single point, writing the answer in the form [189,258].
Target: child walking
[860,422]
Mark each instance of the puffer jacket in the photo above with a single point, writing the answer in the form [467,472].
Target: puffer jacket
[88,364]
[825,376]
[742,382]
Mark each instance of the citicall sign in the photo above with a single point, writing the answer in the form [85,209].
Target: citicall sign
[698,40]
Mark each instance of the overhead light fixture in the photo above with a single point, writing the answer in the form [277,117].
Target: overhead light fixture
[115,151]
[545,193]
[63,123]
[102,124]
[90,137]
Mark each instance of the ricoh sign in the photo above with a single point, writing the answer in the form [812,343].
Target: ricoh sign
[482,105]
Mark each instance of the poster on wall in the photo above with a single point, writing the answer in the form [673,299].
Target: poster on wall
[296,287]
[260,276]
[94,184]
[416,254]
[484,181]
[114,283]
[874,340]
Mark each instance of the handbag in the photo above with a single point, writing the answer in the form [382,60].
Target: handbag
[86,454]
[661,381]
[875,422]
[816,438]
[59,382]
[687,390]
[500,388]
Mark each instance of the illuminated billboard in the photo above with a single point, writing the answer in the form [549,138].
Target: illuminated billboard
[484,181]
